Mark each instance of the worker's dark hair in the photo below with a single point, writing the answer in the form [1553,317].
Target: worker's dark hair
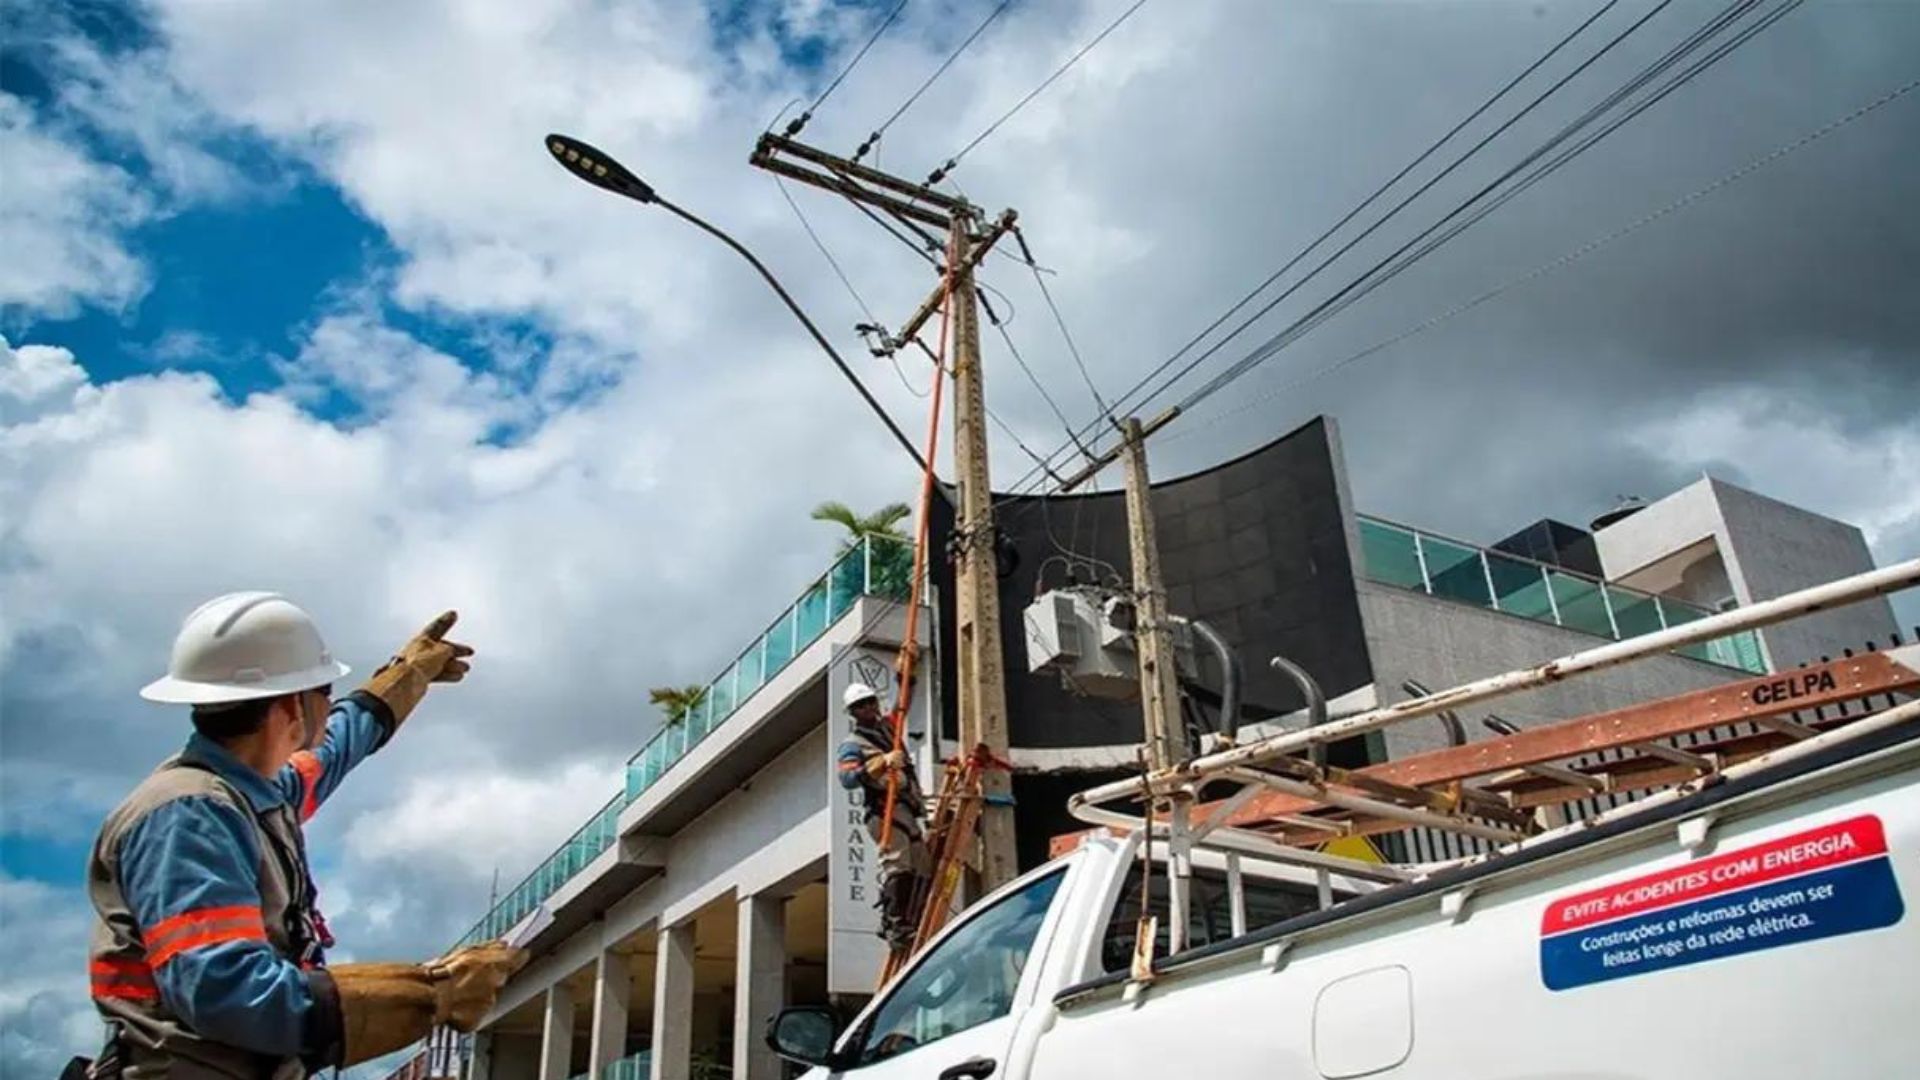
[226,722]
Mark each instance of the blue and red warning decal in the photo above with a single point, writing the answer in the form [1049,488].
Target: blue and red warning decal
[1836,879]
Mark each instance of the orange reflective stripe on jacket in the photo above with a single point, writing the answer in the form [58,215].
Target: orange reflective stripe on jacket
[205,926]
[311,769]
[129,979]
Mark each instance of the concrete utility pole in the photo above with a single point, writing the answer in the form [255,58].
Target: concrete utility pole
[981,674]
[983,679]
[1153,637]
[1159,676]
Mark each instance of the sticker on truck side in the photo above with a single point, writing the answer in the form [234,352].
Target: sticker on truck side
[1836,879]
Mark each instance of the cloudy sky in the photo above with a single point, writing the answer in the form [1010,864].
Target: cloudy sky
[292,298]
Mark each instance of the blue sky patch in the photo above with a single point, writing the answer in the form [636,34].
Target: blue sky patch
[231,285]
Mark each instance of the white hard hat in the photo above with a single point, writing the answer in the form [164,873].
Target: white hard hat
[242,646]
[857,693]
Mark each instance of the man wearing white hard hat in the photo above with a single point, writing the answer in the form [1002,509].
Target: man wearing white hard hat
[208,953]
[866,760]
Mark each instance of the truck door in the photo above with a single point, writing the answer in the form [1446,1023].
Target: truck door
[950,1017]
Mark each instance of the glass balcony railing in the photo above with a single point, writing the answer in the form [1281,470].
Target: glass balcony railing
[877,566]
[632,1067]
[1411,559]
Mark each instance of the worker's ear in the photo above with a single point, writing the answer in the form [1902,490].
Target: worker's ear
[310,710]
[288,718]
[285,720]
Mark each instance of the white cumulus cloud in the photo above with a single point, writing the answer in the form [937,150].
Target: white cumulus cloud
[63,217]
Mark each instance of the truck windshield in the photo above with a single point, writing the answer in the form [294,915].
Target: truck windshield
[966,980]
[1209,917]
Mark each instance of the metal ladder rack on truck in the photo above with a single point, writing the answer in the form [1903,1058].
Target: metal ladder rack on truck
[1745,917]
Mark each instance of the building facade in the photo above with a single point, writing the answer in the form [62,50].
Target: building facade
[730,877]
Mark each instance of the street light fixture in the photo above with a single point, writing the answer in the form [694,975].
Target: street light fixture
[597,168]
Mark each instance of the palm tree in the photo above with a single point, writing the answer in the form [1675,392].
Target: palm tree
[889,566]
[882,521]
[677,701]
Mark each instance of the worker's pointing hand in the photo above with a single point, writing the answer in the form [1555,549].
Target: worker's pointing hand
[427,657]
[439,659]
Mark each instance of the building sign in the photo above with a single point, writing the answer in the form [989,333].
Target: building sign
[855,952]
[1836,879]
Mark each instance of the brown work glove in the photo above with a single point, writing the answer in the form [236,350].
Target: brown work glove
[427,658]
[468,982]
[384,1007]
[891,761]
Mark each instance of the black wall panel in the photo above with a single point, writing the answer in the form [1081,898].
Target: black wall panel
[1254,546]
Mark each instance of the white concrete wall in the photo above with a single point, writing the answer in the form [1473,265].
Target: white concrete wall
[771,828]
[1680,520]
[1768,548]
[1443,643]
[1778,549]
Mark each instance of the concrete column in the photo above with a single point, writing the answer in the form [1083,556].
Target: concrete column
[673,1004]
[556,1035]
[480,1059]
[612,990]
[759,985]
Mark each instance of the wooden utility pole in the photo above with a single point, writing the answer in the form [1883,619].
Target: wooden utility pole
[1159,676]
[981,674]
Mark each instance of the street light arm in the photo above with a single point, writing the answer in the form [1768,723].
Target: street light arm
[793,306]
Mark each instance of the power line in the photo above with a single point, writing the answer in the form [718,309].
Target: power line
[940,370]
[1571,257]
[931,79]
[893,358]
[858,300]
[1121,402]
[1060,321]
[1024,448]
[940,173]
[1374,277]
[1315,317]
[926,245]
[1065,424]
[1361,207]
[801,120]
[1406,201]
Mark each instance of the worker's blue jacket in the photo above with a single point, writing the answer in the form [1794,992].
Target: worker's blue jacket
[862,745]
[207,949]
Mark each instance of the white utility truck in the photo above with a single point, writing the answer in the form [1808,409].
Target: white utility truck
[1749,921]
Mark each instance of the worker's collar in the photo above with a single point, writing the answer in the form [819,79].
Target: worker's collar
[260,791]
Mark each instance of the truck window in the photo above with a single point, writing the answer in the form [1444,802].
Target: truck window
[1209,917]
[967,980]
